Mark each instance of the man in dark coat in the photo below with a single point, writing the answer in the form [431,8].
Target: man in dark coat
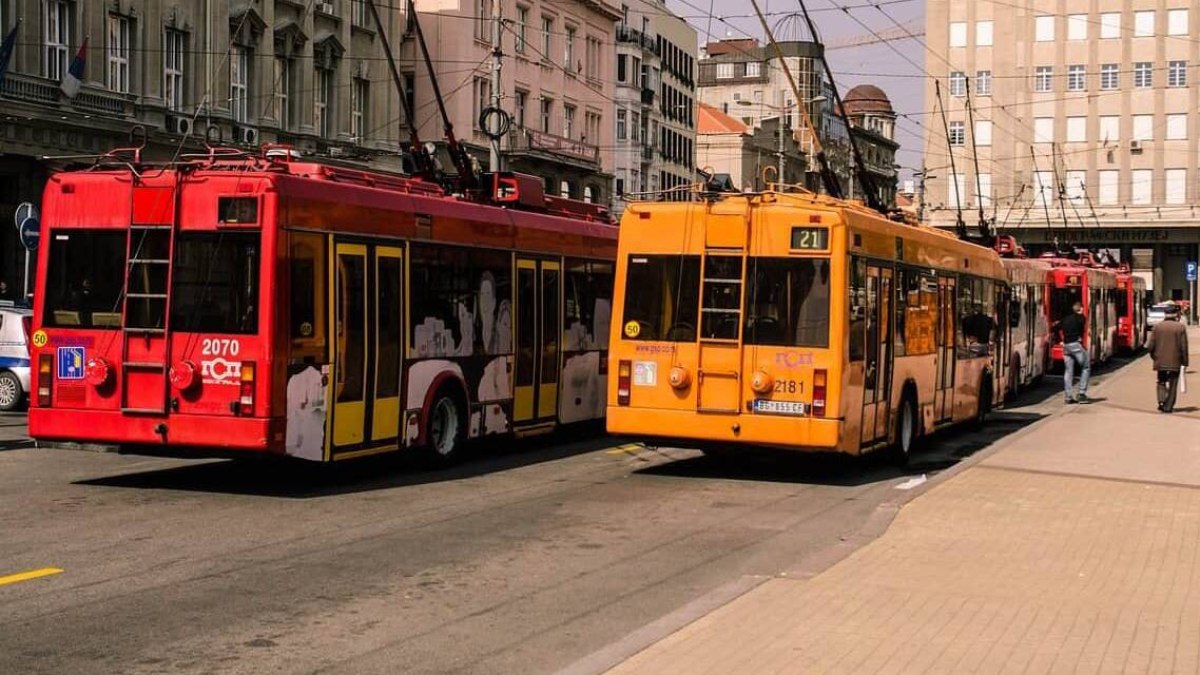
[1169,348]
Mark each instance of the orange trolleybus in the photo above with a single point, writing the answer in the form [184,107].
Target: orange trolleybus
[263,305]
[798,321]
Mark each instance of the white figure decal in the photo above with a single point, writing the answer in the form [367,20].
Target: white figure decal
[305,435]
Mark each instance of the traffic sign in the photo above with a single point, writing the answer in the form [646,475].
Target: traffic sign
[31,231]
[25,211]
[1190,269]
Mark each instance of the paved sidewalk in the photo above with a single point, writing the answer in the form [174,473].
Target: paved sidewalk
[1074,548]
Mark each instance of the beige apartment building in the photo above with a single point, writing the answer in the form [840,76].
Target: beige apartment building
[307,73]
[557,85]
[1086,125]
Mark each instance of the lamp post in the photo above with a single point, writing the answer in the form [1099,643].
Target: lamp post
[782,110]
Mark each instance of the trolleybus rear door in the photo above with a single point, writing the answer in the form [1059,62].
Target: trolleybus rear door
[538,299]
[878,367]
[350,346]
[947,310]
[388,344]
[718,378]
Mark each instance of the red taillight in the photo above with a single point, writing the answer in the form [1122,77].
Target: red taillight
[246,397]
[97,372]
[45,379]
[624,370]
[818,403]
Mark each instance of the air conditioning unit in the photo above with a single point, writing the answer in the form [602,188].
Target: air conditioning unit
[1135,146]
[325,6]
[179,125]
[246,135]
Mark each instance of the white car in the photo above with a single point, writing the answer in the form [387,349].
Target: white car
[14,356]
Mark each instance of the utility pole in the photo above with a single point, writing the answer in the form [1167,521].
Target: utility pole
[782,165]
[923,174]
[497,57]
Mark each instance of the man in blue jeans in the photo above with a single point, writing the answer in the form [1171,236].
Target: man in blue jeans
[1072,327]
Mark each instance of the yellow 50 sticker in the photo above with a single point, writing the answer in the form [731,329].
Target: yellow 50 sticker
[633,329]
[40,339]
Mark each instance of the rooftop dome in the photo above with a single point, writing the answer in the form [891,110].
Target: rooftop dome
[867,98]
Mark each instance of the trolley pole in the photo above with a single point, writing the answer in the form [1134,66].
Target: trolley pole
[497,57]
[782,164]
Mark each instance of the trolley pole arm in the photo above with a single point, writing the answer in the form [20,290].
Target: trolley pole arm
[423,161]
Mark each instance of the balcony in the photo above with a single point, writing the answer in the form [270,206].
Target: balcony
[629,35]
[647,154]
[529,140]
[44,91]
[648,95]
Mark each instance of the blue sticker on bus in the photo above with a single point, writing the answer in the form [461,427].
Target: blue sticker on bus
[70,363]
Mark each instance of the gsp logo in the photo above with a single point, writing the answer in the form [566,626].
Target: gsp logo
[220,371]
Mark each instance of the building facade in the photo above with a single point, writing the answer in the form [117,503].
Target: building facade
[307,73]
[750,156]
[1085,126]
[557,85]
[873,122]
[655,116]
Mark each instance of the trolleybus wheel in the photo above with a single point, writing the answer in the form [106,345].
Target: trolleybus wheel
[10,391]
[906,430]
[445,429]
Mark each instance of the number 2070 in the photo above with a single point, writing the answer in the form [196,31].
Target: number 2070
[220,347]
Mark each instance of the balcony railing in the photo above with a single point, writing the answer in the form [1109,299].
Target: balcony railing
[45,91]
[529,139]
[637,37]
[647,153]
[648,95]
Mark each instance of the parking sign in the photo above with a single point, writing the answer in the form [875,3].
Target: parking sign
[1190,269]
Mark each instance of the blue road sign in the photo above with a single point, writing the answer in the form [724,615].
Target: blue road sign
[31,232]
[1190,269]
[24,211]
[70,363]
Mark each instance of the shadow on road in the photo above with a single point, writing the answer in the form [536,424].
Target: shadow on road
[280,477]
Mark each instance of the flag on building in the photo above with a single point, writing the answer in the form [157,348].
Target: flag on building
[6,50]
[74,76]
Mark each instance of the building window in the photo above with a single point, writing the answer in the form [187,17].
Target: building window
[1176,184]
[592,122]
[1177,127]
[1177,22]
[1076,129]
[322,90]
[56,38]
[983,133]
[1143,24]
[519,100]
[593,58]
[635,126]
[568,121]
[239,83]
[1110,128]
[958,34]
[724,71]
[483,20]
[117,46]
[547,110]
[1076,186]
[483,98]
[753,69]
[1143,75]
[958,191]
[1143,128]
[1043,187]
[1043,130]
[622,123]
[958,83]
[1077,27]
[1142,186]
[569,50]
[410,89]
[1043,79]
[1044,28]
[547,33]
[360,14]
[1177,74]
[984,31]
[958,133]
[1109,187]
[1110,77]
[173,49]
[360,100]
[283,92]
[522,29]
[1110,25]
[1076,78]
[983,82]
[984,185]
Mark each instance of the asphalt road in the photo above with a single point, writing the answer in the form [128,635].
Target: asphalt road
[522,561]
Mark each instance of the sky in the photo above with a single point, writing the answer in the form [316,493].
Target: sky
[897,69]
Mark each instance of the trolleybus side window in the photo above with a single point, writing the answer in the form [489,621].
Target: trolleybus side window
[858,309]
[84,279]
[587,305]
[351,342]
[461,301]
[216,282]
[977,302]
[661,298]
[308,295]
[391,326]
[787,301]
[920,313]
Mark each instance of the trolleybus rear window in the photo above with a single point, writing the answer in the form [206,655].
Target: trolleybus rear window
[787,301]
[84,279]
[215,282]
[1062,301]
[662,297]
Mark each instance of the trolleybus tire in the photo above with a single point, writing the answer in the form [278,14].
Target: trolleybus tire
[447,426]
[908,430]
[11,394]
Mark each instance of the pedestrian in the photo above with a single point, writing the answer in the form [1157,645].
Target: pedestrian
[1072,328]
[1168,348]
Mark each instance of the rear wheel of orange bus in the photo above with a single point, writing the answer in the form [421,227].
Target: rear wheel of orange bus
[908,430]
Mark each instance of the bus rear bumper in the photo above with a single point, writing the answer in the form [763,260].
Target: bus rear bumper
[191,432]
[686,428]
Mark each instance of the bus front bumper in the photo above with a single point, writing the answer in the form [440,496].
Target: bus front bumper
[183,431]
[686,428]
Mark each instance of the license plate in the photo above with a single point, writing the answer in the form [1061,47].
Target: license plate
[766,407]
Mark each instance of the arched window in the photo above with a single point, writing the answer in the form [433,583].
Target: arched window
[587,194]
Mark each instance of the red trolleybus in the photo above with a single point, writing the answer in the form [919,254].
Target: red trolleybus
[1072,282]
[1131,310]
[1029,302]
[261,305]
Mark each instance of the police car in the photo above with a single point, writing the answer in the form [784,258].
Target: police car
[15,324]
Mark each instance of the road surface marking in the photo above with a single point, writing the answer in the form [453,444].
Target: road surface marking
[627,449]
[31,574]
[912,482]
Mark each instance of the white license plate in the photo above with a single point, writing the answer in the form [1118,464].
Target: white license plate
[780,407]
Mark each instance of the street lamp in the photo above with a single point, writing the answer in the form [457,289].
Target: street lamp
[782,110]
